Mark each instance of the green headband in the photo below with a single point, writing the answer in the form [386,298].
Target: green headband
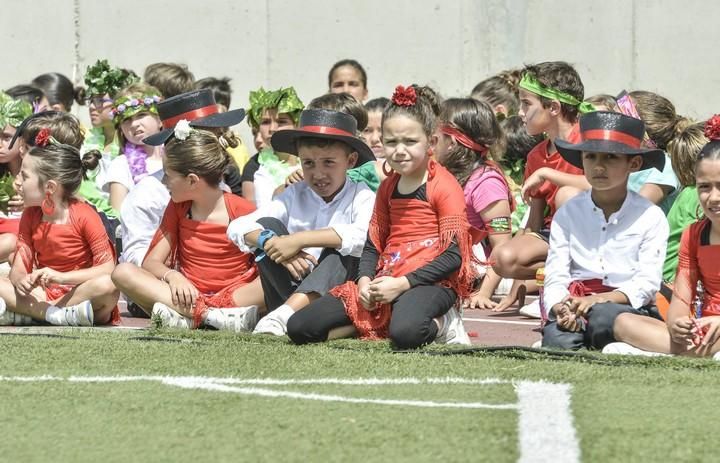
[284,99]
[127,106]
[13,112]
[531,84]
[100,79]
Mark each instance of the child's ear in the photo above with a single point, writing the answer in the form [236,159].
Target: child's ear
[555,108]
[352,159]
[51,186]
[434,141]
[636,163]
[194,179]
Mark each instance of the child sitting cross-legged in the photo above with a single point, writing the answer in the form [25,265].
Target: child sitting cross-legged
[607,244]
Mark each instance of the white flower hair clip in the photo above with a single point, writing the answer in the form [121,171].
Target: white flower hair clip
[182,129]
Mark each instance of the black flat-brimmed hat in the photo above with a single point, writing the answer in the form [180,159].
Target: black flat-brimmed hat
[609,132]
[197,107]
[323,123]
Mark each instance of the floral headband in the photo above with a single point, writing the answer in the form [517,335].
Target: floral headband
[100,78]
[127,106]
[712,128]
[531,84]
[284,99]
[13,112]
[628,107]
[404,96]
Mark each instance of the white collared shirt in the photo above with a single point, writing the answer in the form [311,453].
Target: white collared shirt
[626,251]
[301,209]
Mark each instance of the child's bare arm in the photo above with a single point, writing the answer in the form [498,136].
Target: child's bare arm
[282,248]
[536,218]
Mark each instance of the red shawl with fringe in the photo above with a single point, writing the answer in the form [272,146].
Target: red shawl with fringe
[202,252]
[410,233]
[79,244]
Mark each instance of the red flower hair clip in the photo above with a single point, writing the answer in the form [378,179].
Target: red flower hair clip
[712,128]
[43,137]
[404,96]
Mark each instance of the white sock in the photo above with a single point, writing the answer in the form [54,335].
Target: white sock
[283,313]
[55,315]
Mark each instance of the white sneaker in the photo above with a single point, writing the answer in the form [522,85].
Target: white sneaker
[237,319]
[453,330]
[716,356]
[622,348]
[504,287]
[537,344]
[8,318]
[169,318]
[275,322]
[532,309]
[79,314]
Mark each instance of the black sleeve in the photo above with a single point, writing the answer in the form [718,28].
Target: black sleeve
[248,174]
[437,269]
[232,178]
[368,260]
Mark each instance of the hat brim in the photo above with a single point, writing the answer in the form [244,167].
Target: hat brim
[285,141]
[572,153]
[226,119]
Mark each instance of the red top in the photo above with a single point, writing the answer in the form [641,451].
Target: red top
[202,250]
[539,157]
[79,244]
[699,260]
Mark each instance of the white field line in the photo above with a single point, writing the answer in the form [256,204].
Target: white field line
[504,322]
[545,425]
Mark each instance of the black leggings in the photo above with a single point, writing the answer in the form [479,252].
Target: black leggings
[411,324]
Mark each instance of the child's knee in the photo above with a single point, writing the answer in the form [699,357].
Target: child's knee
[123,273]
[622,324]
[406,334]
[556,338]
[103,285]
[504,258]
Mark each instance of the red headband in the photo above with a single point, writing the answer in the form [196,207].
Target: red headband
[190,115]
[612,135]
[464,139]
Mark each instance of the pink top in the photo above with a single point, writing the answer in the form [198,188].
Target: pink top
[484,187]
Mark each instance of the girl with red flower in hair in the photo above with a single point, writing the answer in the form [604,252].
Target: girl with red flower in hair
[417,259]
[692,324]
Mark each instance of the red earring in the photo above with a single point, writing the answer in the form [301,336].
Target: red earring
[48,205]
[386,169]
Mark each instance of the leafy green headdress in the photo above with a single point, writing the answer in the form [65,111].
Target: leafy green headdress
[100,79]
[13,112]
[284,99]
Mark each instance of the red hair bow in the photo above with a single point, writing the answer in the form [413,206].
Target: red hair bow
[404,96]
[43,137]
[712,128]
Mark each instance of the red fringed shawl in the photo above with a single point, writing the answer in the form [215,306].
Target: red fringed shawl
[410,233]
[202,252]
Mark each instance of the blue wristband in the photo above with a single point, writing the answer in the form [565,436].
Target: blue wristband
[262,239]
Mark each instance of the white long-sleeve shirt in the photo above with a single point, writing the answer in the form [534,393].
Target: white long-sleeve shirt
[626,251]
[301,209]
[140,215]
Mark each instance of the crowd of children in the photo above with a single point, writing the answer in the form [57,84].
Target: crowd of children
[377,219]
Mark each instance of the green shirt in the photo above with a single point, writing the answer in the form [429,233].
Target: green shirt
[366,174]
[90,189]
[684,211]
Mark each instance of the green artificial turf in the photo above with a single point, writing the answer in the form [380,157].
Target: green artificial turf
[624,409]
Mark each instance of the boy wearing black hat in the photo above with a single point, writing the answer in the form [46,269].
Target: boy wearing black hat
[310,237]
[607,244]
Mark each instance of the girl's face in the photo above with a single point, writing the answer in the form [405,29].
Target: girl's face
[707,180]
[177,184]
[373,133]
[406,145]
[535,117]
[28,183]
[100,107]
[272,122]
[347,79]
[7,154]
[140,126]
[258,141]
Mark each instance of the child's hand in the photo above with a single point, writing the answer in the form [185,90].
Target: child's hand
[566,319]
[681,331]
[46,276]
[364,294]
[708,328]
[183,292]
[25,285]
[479,301]
[295,177]
[531,184]
[282,248]
[386,289]
[16,204]
[580,306]
[300,265]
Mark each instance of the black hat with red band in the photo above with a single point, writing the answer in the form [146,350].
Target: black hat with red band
[609,132]
[323,123]
[197,107]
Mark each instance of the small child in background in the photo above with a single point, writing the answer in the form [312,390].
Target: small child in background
[372,134]
[170,79]
[59,91]
[348,76]
[604,102]
[33,95]
[500,92]
[61,271]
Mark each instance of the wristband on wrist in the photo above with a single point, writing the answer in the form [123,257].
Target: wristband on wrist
[164,277]
[262,239]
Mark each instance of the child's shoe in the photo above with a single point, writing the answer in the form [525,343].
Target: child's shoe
[167,317]
[8,318]
[622,348]
[237,319]
[452,330]
[275,322]
[532,309]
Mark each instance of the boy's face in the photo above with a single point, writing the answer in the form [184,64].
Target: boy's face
[607,171]
[536,118]
[6,153]
[325,168]
[271,122]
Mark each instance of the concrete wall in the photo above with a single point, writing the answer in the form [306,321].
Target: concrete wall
[666,46]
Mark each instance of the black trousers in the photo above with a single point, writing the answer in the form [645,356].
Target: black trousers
[599,331]
[278,285]
[411,323]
